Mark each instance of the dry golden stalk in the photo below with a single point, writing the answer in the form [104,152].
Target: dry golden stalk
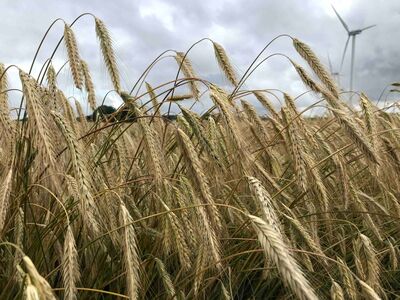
[81,114]
[5,120]
[197,129]
[43,287]
[186,218]
[359,205]
[253,117]
[154,155]
[130,252]
[37,117]
[313,61]
[70,266]
[5,190]
[355,134]
[199,178]
[18,240]
[393,254]
[348,279]
[370,122]
[220,99]
[369,262]
[266,103]
[88,207]
[208,238]
[153,98]
[307,80]
[265,202]
[89,85]
[201,263]
[226,295]
[298,118]
[166,279]
[309,241]
[31,292]
[108,53]
[68,112]
[73,56]
[188,71]
[276,250]
[336,291]
[225,64]
[296,149]
[177,98]
[178,237]
[52,85]
[368,291]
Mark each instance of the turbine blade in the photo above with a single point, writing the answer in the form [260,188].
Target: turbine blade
[341,20]
[344,53]
[368,27]
[330,64]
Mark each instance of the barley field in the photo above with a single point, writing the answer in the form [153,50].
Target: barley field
[227,204]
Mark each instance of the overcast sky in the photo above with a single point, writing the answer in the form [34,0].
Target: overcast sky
[143,29]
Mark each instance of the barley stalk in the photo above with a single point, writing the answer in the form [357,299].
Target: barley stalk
[73,56]
[275,249]
[309,56]
[225,64]
[108,53]
[89,85]
[130,252]
[70,266]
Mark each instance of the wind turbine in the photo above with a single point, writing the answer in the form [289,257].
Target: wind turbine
[335,74]
[352,34]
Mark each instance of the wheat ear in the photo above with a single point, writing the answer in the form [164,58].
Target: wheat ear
[88,207]
[200,180]
[368,291]
[276,250]
[70,266]
[5,120]
[225,64]
[130,252]
[166,278]
[73,56]
[5,190]
[313,61]
[31,292]
[40,283]
[89,85]
[108,53]
[187,69]
[37,116]
[336,291]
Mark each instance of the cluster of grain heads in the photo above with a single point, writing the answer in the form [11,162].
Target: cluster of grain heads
[88,207]
[38,120]
[230,204]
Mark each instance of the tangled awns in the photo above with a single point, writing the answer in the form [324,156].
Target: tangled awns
[227,204]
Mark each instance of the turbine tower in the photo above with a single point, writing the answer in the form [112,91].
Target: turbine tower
[351,34]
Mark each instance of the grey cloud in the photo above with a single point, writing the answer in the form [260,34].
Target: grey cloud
[141,30]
